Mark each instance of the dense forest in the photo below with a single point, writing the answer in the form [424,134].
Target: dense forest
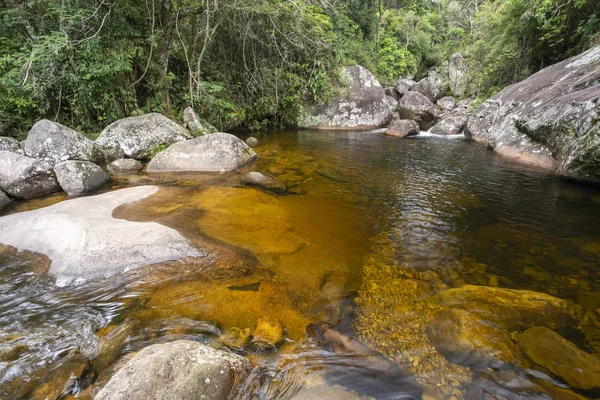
[255,63]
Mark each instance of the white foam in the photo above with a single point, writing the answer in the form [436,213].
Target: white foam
[429,134]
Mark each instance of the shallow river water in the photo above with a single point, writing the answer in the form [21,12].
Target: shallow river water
[436,256]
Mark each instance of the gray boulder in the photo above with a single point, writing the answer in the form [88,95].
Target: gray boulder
[392,92]
[362,106]
[392,102]
[54,143]
[218,152]
[125,165]
[4,200]
[183,370]
[452,125]
[447,103]
[263,181]
[196,125]
[404,86]
[252,141]
[80,177]
[403,128]
[431,87]
[140,137]
[551,351]
[24,177]
[9,144]
[548,120]
[458,74]
[417,107]
[84,241]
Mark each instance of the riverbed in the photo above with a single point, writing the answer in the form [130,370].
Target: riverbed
[370,235]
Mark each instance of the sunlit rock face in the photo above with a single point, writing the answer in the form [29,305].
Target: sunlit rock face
[362,106]
[548,120]
[84,241]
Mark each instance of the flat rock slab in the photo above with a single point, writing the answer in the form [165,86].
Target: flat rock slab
[84,241]
[178,370]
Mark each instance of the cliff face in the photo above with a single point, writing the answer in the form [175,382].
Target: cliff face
[549,120]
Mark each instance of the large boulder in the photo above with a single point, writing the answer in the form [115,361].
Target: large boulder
[452,125]
[80,177]
[458,74]
[218,152]
[24,177]
[551,351]
[549,120]
[54,143]
[9,144]
[403,128]
[431,87]
[362,106]
[417,107]
[84,241]
[510,309]
[404,86]
[196,125]
[183,370]
[447,103]
[141,137]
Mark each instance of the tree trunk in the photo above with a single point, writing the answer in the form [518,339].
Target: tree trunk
[169,30]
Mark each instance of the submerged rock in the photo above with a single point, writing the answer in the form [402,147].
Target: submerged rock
[417,107]
[24,177]
[325,393]
[548,120]
[9,144]
[467,340]
[510,309]
[84,241]
[268,333]
[452,125]
[362,106]
[252,141]
[218,152]
[403,128]
[140,137]
[263,181]
[562,358]
[125,165]
[54,143]
[178,370]
[80,177]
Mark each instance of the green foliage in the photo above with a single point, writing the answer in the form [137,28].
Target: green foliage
[394,61]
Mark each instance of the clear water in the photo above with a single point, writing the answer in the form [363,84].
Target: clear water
[372,228]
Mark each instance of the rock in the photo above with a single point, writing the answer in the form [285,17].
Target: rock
[4,200]
[458,74]
[9,144]
[236,338]
[465,339]
[450,125]
[125,165]
[80,177]
[218,152]
[392,92]
[417,107]
[404,86]
[263,181]
[447,103]
[548,120]
[195,124]
[363,105]
[60,380]
[392,102]
[325,393]
[252,141]
[267,334]
[84,241]
[54,143]
[551,351]
[24,177]
[140,137]
[403,128]
[431,87]
[510,309]
[111,346]
[178,370]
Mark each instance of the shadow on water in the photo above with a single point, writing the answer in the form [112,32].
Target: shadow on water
[372,232]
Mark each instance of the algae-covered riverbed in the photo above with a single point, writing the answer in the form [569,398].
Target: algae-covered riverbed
[460,268]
